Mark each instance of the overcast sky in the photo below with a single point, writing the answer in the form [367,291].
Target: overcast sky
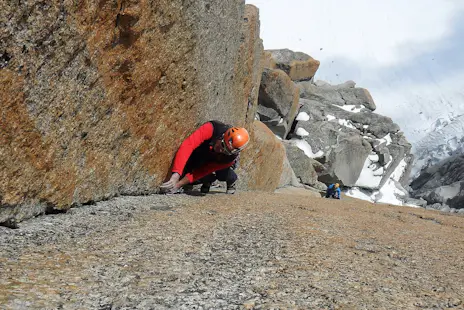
[408,53]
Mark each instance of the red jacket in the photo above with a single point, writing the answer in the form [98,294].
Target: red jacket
[197,152]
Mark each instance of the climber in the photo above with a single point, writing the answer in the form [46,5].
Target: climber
[209,154]
[334,191]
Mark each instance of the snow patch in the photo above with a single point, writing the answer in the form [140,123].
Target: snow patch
[412,206]
[302,132]
[302,116]
[306,148]
[357,193]
[399,170]
[387,139]
[389,194]
[373,157]
[346,123]
[350,108]
[330,117]
[343,122]
[370,177]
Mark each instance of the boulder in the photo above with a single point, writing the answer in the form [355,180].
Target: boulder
[324,95]
[321,187]
[262,162]
[357,96]
[96,98]
[342,94]
[345,159]
[268,61]
[378,125]
[278,101]
[329,101]
[299,66]
[248,68]
[288,177]
[347,84]
[303,166]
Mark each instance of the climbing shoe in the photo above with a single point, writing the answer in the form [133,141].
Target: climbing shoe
[187,188]
[205,188]
[230,189]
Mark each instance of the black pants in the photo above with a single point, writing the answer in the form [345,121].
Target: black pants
[228,175]
[332,194]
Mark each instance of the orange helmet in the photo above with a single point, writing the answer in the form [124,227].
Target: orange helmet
[235,139]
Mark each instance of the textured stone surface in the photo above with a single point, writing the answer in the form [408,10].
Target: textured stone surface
[288,177]
[97,96]
[302,165]
[299,66]
[268,61]
[248,68]
[345,160]
[275,251]
[278,101]
[358,96]
[262,162]
[328,123]
[342,94]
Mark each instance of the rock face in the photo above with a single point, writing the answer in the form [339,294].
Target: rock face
[306,169]
[278,101]
[442,183]
[345,160]
[262,162]
[342,94]
[358,147]
[335,126]
[299,66]
[288,177]
[248,68]
[96,97]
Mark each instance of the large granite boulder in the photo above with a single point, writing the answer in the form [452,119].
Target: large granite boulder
[345,160]
[288,177]
[342,94]
[305,168]
[278,101]
[262,162]
[97,97]
[299,66]
[248,67]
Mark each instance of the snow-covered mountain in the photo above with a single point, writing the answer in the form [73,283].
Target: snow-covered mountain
[445,140]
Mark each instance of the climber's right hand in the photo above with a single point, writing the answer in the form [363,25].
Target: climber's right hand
[170,185]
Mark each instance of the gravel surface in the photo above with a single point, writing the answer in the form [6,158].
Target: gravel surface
[245,251]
